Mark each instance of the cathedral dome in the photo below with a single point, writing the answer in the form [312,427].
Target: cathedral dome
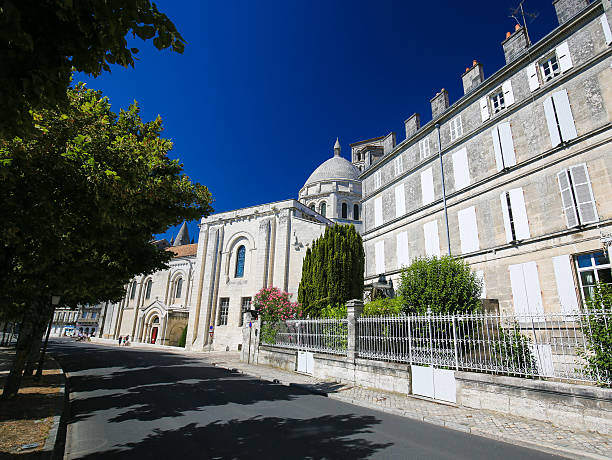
[336,168]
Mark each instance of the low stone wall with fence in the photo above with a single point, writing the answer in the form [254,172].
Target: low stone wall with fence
[538,366]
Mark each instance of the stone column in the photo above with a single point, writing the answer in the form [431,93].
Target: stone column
[354,308]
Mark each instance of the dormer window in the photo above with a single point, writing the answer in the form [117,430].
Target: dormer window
[550,68]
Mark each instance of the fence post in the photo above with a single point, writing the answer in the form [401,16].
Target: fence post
[455,342]
[354,308]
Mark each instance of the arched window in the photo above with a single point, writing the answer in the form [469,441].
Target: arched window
[312,206]
[133,290]
[240,254]
[344,210]
[323,209]
[179,287]
[148,289]
[356,212]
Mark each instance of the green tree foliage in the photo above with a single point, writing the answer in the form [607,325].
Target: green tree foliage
[80,202]
[333,270]
[599,339]
[42,41]
[384,307]
[445,284]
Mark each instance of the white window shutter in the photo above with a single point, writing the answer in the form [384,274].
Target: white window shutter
[564,58]
[380,257]
[432,240]
[452,126]
[506,215]
[427,187]
[378,178]
[480,276]
[378,212]
[468,230]
[484,109]
[551,121]
[519,214]
[507,145]
[566,288]
[564,115]
[499,161]
[532,284]
[605,25]
[400,201]
[567,199]
[402,250]
[426,146]
[461,170]
[519,290]
[459,126]
[532,76]
[508,94]
[584,194]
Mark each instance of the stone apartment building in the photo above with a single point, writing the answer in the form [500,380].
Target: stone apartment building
[515,176]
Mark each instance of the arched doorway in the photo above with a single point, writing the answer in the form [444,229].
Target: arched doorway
[154,329]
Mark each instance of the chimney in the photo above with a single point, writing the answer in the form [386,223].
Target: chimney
[567,9]
[515,44]
[472,77]
[412,124]
[439,103]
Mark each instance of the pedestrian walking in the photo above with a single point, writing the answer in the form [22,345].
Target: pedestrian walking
[120,340]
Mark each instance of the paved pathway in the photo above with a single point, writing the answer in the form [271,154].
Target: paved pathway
[518,430]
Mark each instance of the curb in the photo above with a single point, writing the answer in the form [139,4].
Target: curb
[542,447]
[48,448]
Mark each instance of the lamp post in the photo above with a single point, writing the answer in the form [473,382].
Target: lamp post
[55,300]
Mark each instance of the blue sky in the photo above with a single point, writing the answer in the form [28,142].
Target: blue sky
[255,103]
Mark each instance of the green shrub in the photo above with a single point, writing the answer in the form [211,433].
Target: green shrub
[446,284]
[598,329]
[183,338]
[513,348]
[384,307]
[338,312]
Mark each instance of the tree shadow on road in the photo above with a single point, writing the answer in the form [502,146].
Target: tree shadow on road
[336,436]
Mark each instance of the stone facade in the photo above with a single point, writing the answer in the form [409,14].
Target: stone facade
[507,148]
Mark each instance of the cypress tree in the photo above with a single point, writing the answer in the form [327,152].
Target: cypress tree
[332,272]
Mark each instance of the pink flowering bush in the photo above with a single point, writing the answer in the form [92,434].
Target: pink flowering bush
[274,305]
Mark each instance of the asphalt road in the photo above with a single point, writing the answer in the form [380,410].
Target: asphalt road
[130,403]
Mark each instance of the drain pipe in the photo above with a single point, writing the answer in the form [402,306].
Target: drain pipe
[443,189]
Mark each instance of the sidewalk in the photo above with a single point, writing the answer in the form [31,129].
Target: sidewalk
[515,430]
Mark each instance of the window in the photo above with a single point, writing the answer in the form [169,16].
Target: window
[355,212]
[133,290]
[84,315]
[526,291]
[553,65]
[223,311]
[179,288]
[456,128]
[577,196]
[427,187]
[559,118]
[240,255]
[461,171]
[400,201]
[378,214]
[424,150]
[149,285]
[245,303]
[503,146]
[398,165]
[312,206]
[344,210]
[550,68]
[515,215]
[592,268]
[93,315]
[377,179]
[468,230]
[402,249]
[380,257]
[432,241]
[497,102]
[323,209]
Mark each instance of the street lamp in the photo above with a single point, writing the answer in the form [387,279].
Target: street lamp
[55,300]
